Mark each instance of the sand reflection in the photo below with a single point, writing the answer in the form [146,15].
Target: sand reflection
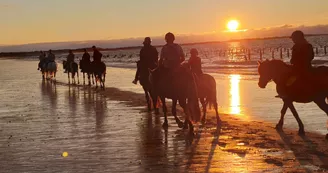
[234,94]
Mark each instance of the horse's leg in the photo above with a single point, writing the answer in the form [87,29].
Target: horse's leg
[282,112]
[165,124]
[323,106]
[204,105]
[89,79]
[69,80]
[218,119]
[187,123]
[93,78]
[147,98]
[299,121]
[174,113]
[154,98]
[83,78]
[183,104]
[78,76]
[104,81]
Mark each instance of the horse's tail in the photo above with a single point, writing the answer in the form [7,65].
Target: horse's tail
[193,104]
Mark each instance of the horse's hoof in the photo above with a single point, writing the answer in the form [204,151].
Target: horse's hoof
[279,127]
[165,126]
[301,132]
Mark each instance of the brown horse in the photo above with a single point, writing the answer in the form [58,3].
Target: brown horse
[178,85]
[312,87]
[207,94]
[73,69]
[206,86]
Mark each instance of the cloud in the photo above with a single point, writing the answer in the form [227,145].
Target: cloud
[275,31]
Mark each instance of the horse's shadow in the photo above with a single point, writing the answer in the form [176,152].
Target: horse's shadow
[306,150]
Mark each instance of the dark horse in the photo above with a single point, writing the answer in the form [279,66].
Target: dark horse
[146,86]
[313,87]
[86,68]
[99,72]
[207,94]
[72,68]
[206,86]
[178,85]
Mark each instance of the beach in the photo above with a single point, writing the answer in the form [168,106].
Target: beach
[111,131]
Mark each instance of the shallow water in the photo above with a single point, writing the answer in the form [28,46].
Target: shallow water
[39,121]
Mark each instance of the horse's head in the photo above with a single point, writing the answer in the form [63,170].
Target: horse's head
[265,73]
[270,70]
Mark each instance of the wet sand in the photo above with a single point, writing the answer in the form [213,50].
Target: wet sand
[110,131]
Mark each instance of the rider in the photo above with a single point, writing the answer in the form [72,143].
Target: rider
[302,54]
[96,55]
[42,58]
[86,56]
[85,59]
[148,57]
[69,60]
[195,62]
[172,54]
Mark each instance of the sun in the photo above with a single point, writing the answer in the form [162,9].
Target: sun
[232,25]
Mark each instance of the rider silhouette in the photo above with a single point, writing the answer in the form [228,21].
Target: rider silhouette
[302,54]
[69,60]
[96,55]
[148,58]
[172,54]
[42,59]
[51,57]
[195,62]
[86,56]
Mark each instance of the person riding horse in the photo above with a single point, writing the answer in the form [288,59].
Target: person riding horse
[42,58]
[302,54]
[85,59]
[69,60]
[148,58]
[96,55]
[195,62]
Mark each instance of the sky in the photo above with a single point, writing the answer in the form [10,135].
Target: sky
[35,21]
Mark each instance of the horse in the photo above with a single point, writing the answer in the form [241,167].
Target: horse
[51,70]
[86,69]
[72,68]
[99,73]
[178,85]
[146,86]
[312,87]
[206,86]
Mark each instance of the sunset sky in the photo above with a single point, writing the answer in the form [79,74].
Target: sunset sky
[33,21]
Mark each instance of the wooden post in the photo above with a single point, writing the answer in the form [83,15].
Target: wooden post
[272,54]
[325,48]
[288,53]
[280,53]
[261,55]
[249,54]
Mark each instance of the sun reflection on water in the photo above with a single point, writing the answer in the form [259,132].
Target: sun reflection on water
[234,94]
